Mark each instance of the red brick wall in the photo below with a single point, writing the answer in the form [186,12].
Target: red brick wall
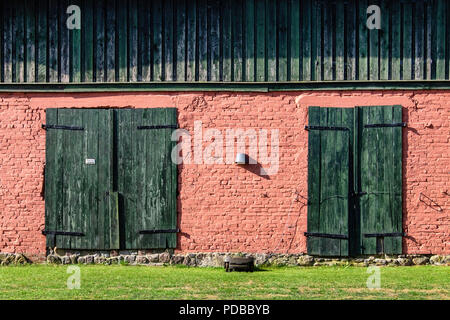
[225,207]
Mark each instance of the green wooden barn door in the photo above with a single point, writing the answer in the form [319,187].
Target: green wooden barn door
[80,207]
[380,131]
[355,181]
[330,130]
[146,177]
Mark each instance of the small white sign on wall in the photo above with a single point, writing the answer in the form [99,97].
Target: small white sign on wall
[90,161]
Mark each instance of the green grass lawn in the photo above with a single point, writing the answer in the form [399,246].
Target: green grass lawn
[142,282]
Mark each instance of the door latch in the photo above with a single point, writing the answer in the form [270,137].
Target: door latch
[358,194]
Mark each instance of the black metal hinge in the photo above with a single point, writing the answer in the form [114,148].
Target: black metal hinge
[307,128]
[172,126]
[159,231]
[325,235]
[52,126]
[389,234]
[63,233]
[381,125]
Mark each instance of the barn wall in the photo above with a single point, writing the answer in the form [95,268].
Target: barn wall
[224,207]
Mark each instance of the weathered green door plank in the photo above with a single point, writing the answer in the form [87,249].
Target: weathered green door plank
[92,173]
[104,181]
[328,178]
[142,157]
[328,181]
[68,185]
[381,180]
[352,227]
[314,181]
[396,186]
[52,188]
[124,167]
[77,191]
[147,177]
[342,171]
[77,159]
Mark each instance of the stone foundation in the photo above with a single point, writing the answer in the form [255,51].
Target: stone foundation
[13,259]
[215,259]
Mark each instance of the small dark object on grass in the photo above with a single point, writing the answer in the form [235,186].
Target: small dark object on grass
[239,264]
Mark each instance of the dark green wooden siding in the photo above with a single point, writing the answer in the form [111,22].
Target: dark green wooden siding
[230,41]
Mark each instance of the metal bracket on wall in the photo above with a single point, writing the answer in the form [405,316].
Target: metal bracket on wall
[172,126]
[63,233]
[326,235]
[391,234]
[381,125]
[60,233]
[307,128]
[52,126]
[159,231]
